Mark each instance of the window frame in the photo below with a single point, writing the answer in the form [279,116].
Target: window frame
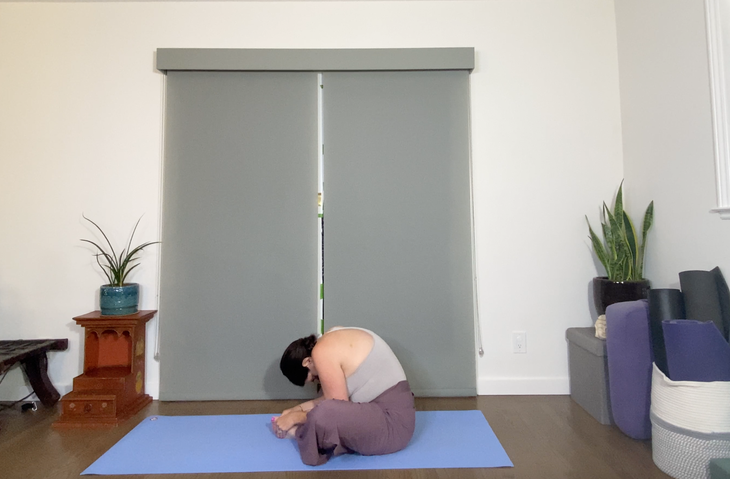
[719,103]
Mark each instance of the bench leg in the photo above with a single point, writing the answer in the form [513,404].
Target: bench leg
[36,369]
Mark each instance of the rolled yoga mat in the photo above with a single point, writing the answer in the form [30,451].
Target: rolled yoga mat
[629,354]
[663,304]
[724,294]
[246,443]
[696,351]
[702,297]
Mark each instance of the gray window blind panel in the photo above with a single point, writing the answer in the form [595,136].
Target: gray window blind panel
[239,233]
[398,256]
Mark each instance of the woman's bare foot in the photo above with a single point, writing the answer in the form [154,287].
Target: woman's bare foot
[286,425]
[281,433]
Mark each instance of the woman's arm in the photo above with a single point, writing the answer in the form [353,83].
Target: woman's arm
[329,369]
[305,406]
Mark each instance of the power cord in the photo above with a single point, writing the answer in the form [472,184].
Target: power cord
[25,407]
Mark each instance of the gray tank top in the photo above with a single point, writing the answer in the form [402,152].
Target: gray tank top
[379,372]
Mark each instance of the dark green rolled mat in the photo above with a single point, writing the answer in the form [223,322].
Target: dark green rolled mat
[702,298]
[720,468]
[663,304]
[724,294]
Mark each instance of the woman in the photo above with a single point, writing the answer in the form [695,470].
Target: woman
[366,404]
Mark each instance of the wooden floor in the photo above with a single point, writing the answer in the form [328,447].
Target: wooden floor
[544,436]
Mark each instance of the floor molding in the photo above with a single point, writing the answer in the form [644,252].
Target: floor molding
[523,386]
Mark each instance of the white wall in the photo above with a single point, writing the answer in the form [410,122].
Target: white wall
[80,131]
[667,132]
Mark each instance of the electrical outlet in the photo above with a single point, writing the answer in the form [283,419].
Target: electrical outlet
[519,342]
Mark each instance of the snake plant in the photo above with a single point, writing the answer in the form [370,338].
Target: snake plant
[116,268]
[620,251]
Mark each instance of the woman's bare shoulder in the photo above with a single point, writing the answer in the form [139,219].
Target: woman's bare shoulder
[344,336]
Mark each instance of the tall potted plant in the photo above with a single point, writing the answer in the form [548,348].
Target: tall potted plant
[621,254]
[118,297]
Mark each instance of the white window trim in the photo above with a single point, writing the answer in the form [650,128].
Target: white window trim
[718,87]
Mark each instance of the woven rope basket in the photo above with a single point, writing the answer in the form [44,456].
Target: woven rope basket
[688,425]
[686,454]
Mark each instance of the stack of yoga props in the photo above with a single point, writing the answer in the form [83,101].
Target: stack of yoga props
[246,443]
[669,372]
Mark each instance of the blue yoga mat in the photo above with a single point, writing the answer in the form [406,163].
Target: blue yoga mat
[245,443]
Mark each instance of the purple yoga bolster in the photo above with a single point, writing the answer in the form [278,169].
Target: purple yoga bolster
[630,357]
[696,351]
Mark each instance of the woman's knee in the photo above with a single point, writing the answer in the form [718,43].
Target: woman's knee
[325,412]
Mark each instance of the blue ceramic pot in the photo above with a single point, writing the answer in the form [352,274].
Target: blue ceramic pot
[119,300]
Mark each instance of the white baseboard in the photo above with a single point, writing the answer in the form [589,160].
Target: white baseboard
[16,394]
[523,386]
[485,387]
[64,389]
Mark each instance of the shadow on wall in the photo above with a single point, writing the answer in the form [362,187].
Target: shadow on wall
[277,386]
[415,373]
[591,303]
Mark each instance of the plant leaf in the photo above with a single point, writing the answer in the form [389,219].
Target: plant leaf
[124,278]
[632,245]
[618,208]
[622,256]
[598,248]
[117,268]
[648,221]
[102,233]
[103,269]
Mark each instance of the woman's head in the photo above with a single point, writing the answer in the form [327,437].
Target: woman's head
[292,361]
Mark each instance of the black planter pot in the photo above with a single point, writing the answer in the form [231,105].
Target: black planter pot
[607,292]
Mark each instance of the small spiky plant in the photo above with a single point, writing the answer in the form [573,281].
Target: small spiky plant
[622,255]
[117,267]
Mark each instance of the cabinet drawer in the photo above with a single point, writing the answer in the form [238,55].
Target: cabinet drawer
[90,407]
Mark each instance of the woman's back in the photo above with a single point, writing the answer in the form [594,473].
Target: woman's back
[347,346]
[369,374]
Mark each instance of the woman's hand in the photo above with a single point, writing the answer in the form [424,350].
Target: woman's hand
[305,406]
[286,424]
[298,408]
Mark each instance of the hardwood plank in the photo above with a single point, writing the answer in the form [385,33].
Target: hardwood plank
[545,437]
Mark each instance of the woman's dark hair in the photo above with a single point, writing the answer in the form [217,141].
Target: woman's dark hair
[291,360]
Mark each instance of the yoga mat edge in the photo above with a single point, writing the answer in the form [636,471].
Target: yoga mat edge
[245,443]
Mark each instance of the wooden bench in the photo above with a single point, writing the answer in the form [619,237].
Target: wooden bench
[31,353]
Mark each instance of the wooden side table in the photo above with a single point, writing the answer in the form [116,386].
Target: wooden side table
[111,389]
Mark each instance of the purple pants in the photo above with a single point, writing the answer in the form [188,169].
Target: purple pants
[335,427]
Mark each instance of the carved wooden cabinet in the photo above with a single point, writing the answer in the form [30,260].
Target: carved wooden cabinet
[111,389]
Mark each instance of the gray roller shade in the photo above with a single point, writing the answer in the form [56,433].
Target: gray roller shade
[398,219]
[239,235]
